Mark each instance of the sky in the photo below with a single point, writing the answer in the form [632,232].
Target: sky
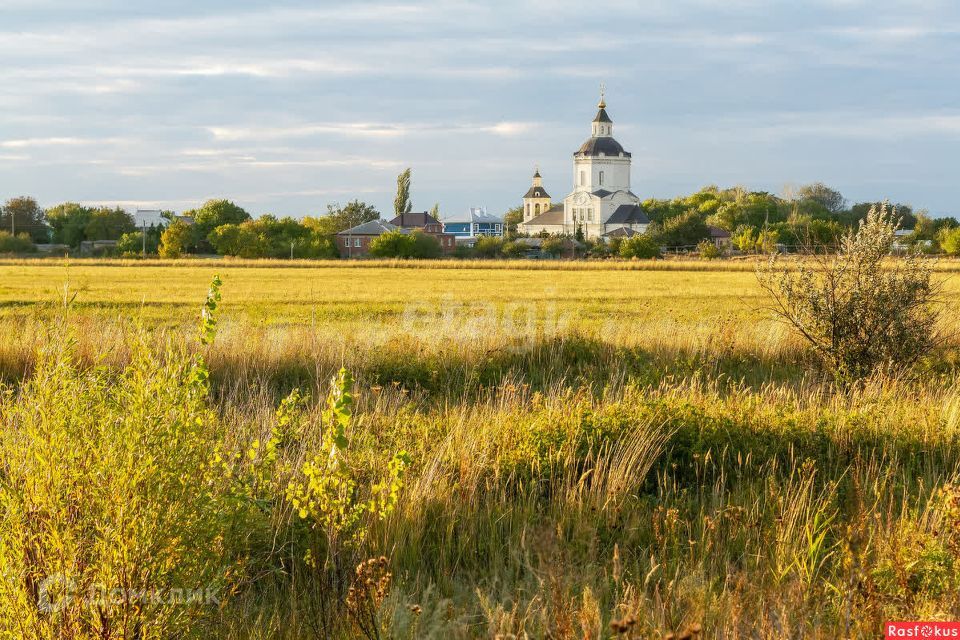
[284,107]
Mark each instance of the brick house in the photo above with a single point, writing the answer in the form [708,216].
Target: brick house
[428,224]
[355,242]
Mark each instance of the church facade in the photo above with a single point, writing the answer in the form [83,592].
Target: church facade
[601,205]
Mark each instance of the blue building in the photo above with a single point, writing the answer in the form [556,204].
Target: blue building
[477,222]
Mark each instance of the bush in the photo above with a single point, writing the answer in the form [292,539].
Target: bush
[950,241]
[639,246]
[112,492]
[397,244]
[175,240]
[858,313]
[488,247]
[21,243]
[514,249]
[553,247]
[709,250]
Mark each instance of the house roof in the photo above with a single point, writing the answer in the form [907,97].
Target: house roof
[621,232]
[475,214]
[414,219]
[536,192]
[372,228]
[717,232]
[148,218]
[552,216]
[606,145]
[629,214]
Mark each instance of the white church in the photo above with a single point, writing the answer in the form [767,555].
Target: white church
[601,204]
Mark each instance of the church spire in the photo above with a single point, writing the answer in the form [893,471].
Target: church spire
[602,126]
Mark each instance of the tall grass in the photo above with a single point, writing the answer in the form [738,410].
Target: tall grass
[687,473]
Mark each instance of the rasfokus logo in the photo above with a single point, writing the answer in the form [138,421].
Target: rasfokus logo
[922,629]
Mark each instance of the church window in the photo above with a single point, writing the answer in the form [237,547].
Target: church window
[582,178]
[528,209]
[536,209]
[601,177]
[589,215]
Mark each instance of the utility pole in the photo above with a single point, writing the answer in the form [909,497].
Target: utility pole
[143,236]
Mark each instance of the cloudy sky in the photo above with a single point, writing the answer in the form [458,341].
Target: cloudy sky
[285,106]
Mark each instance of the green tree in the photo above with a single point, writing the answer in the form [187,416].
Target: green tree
[24,215]
[20,243]
[744,238]
[488,247]
[69,223]
[342,218]
[514,249]
[401,204]
[830,199]
[175,240]
[950,241]
[130,245]
[685,229]
[553,246]
[211,215]
[108,223]
[639,246]
[511,219]
[393,244]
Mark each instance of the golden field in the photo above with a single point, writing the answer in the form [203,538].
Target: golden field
[596,450]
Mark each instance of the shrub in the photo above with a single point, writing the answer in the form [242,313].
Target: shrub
[397,244]
[950,241]
[858,313]
[488,247]
[709,250]
[514,249]
[553,247]
[175,240]
[21,243]
[639,246]
[113,508]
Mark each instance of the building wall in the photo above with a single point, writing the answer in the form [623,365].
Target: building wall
[616,173]
[358,246]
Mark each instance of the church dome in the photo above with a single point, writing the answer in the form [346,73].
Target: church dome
[606,145]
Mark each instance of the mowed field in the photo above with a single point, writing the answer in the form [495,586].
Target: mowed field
[594,450]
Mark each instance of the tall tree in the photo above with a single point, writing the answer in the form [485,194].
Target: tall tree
[401,204]
[108,224]
[435,210]
[831,199]
[69,222]
[24,215]
[211,215]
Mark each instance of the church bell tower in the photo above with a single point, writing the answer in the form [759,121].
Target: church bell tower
[536,200]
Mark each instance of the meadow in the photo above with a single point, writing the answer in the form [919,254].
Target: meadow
[589,450]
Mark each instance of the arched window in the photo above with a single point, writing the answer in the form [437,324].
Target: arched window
[601,177]
[536,209]
[582,178]
[528,209]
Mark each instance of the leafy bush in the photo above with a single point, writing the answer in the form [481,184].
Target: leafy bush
[21,243]
[488,247]
[950,241]
[553,247]
[115,519]
[175,240]
[858,313]
[398,244]
[709,250]
[639,246]
[514,249]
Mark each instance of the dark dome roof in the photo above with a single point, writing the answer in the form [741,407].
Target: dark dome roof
[605,145]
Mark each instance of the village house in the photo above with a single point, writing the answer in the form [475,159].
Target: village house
[477,222]
[429,225]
